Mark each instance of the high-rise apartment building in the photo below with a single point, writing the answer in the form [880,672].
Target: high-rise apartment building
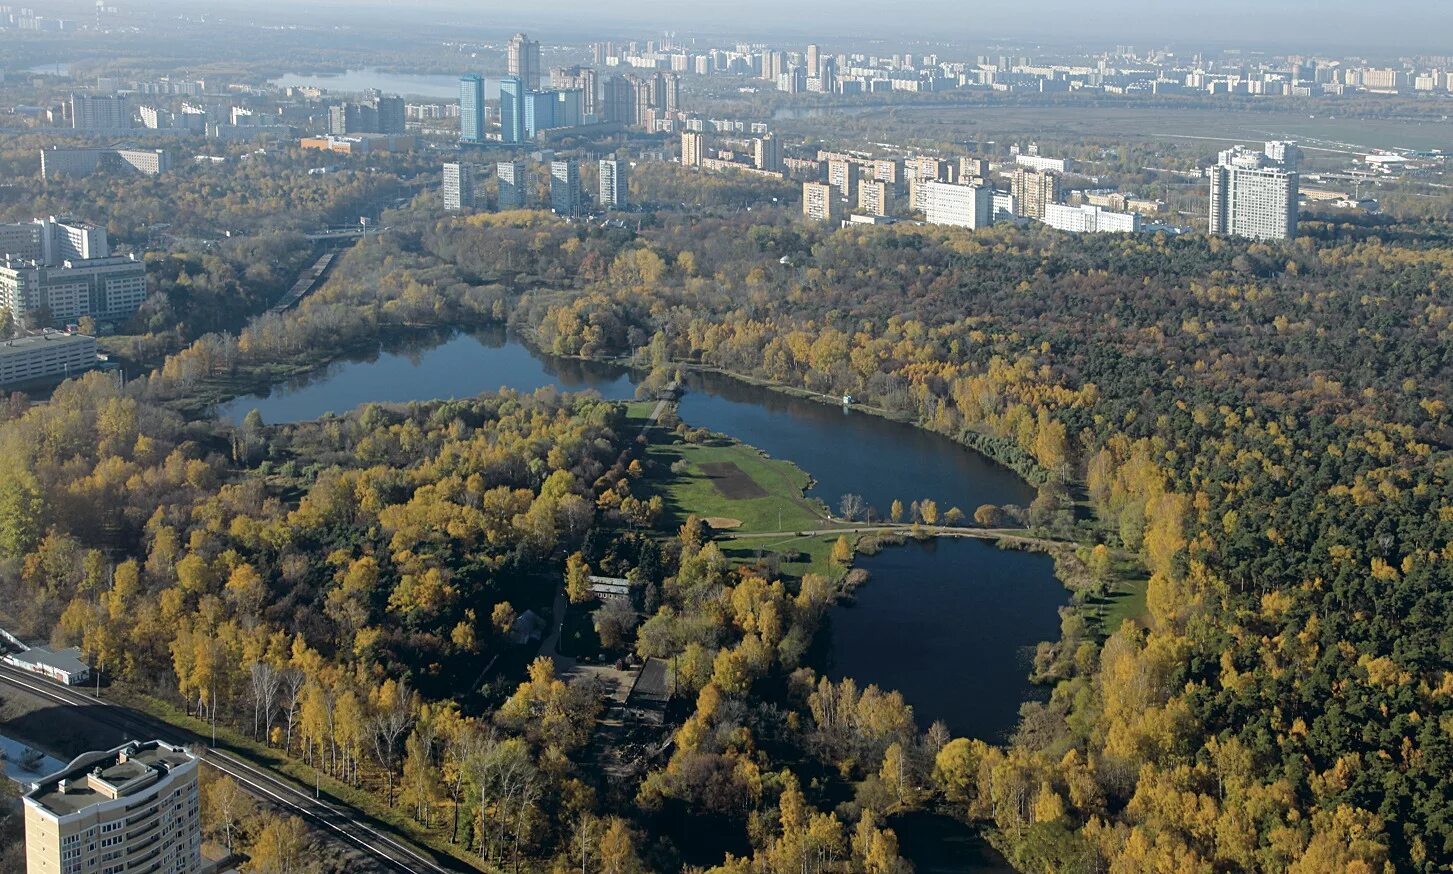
[874,197]
[103,112]
[973,168]
[523,60]
[842,175]
[767,153]
[512,110]
[819,201]
[1286,154]
[565,187]
[133,808]
[458,187]
[693,148]
[890,170]
[471,108]
[513,184]
[964,206]
[1251,197]
[1034,189]
[614,183]
[54,272]
[814,61]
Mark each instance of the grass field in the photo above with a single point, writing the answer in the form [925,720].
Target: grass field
[726,480]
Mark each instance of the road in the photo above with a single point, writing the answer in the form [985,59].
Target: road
[344,823]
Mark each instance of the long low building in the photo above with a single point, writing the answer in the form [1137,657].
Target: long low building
[1090,219]
[63,666]
[83,162]
[45,356]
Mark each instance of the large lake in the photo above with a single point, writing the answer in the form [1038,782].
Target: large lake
[950,624]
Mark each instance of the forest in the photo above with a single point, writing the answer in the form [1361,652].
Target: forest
[1264,425]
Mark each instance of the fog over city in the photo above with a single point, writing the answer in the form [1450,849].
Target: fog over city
[1286,23]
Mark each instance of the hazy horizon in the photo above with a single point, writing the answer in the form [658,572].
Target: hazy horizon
[1301,25]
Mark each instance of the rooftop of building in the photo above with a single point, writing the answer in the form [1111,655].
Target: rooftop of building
[22,345]
[96,777]
[68,660]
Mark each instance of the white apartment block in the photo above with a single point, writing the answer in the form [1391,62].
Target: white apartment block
[1090,219]
[53,272]
[32,359]
[1042,164]
[614,183]
[963,206]
[133,808]
[1251,199]
[458,186]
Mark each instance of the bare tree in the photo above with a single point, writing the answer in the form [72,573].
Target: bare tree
[851,506]
[265,682]
[293,683]
[386,728]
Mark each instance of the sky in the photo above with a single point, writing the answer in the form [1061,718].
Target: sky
[1409,25]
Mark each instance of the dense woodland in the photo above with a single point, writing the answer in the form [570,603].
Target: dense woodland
[1264,425]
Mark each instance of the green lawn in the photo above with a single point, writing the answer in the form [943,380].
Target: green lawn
[763,494]
[1126,600]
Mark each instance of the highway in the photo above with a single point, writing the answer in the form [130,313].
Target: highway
[344,823]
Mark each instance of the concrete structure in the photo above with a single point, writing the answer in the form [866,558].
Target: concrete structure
[133,808]
[842,175]
[819,201]
[963,206]
[1252,198]
[55,272]
[1042,163]
[523,60]
[360,144]
[100,112]
[767,153]
[471,108]
[891,171]
[1033,190]
[875,198]
[512,184]
[511,110]
[565,187]
[693,148]
[614,183]
[83,162]
[1090,219]
[27,359]
[458,186]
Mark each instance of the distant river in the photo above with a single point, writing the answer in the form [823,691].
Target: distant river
[406,84]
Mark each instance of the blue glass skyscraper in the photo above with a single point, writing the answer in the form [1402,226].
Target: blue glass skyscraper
[512,109]
[471,108]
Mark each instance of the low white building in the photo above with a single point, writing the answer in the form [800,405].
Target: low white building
[63,666]
[1090,219]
